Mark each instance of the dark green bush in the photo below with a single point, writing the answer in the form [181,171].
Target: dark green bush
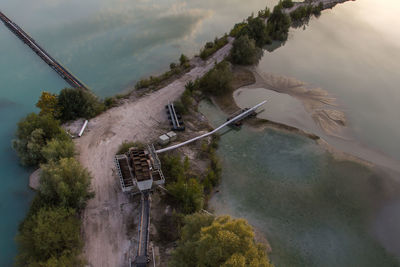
[218,80]
[32,135]
[125,146]
[50,237]
[255,29]
[278,24]
[78,103]
[65,183]
[245,51]
[287,3]
[212,47]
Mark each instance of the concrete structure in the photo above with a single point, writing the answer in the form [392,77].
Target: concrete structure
[172,136]
[163,140]
[139,169]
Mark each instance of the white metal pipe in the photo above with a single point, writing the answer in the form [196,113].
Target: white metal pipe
[83,128]
[238,117]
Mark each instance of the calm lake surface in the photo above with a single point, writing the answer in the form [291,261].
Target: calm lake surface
[313,209]
[108,44]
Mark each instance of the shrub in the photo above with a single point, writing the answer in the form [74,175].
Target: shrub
[188,194]
[172,167]
[183,60]
[110,102]
[48,104]
[278,24]
[245,51]
[218,80]
[212,47]
[78,103]
[65,183]
[58,148]
[287,3]
[237,29]
[220,241]
[264,13]
[32,135]
[125,146]
[256,29]
[51,236]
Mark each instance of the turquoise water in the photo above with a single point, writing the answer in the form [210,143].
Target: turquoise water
[108,44]
[313,210]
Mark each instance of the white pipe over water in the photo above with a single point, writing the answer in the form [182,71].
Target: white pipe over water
[83,128]
[238,117]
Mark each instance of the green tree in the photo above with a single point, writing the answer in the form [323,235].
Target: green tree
[220,241]
[188,194]
[78,103]
[256,29]
[287,3]
[65,183]
[49,236]
[58,148]
[245,51]
[183,59]
[218,80]
[32,134]
[278,24]
[172,167]
[48,104]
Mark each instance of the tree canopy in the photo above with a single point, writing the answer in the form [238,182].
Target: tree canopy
[65,183]
[245,51]
[48,104]
[58,148]
[218,80]
[51,236]
[188,193]
[78,103]
[278,24]
[32,135]
[221,241]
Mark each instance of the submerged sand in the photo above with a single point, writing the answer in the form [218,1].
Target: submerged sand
[320,114]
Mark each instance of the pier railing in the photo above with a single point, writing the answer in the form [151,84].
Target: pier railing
[46,57]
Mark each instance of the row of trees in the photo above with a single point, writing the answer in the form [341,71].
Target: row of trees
[70,104]
[254,33]
[50,233]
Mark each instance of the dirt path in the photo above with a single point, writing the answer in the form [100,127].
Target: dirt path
[108,241]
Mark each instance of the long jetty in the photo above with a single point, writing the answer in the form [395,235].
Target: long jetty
[46,57]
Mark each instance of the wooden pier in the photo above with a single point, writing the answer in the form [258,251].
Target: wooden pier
[46,57]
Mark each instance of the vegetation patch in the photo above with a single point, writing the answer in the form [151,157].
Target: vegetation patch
[218,80]
[301,15]
[50,233]
[211,47]
[125,146]
[154,82]
[218,241]
[245,51]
